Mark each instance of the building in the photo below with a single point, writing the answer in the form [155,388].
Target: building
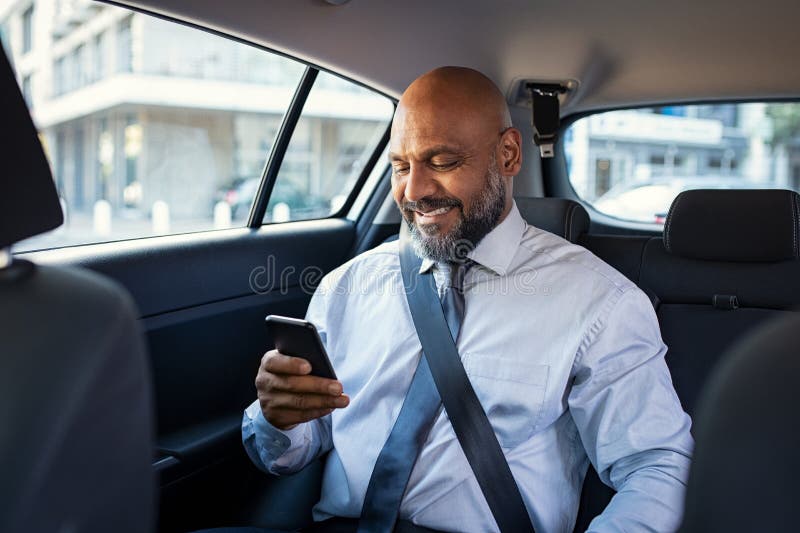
[724,142]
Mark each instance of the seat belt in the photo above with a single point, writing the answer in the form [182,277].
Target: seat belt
[469,421]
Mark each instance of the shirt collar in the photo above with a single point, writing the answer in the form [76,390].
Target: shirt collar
[497,249]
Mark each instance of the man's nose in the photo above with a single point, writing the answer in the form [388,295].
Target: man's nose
[419,184]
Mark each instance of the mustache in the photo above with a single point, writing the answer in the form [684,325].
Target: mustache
[430,203]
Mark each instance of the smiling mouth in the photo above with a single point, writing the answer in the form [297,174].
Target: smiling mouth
[428,215]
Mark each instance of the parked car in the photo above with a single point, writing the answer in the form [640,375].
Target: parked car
[650,201]
[301,206]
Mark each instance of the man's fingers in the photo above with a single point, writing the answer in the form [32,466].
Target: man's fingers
[305,402]
[288,418]
[305,384]
[289,396]
[277,363]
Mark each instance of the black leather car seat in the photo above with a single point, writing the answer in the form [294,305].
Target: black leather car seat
[76,423]
[745,469]
[561,216]
[727,262]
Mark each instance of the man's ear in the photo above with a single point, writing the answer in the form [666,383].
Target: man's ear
[509,158]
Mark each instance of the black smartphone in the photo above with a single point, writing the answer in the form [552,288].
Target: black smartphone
[299,338]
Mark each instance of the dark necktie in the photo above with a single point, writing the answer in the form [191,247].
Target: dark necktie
[420,407]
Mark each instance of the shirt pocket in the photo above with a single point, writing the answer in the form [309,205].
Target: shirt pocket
[511,392]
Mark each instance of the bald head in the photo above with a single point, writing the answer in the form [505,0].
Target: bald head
[457,92]
[454,155]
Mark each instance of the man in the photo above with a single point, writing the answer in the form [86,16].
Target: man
[564,352]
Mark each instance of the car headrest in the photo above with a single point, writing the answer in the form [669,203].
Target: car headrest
[566,218]
[749,225]
[28,199]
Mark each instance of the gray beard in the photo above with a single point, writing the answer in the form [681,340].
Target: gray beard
[469,230]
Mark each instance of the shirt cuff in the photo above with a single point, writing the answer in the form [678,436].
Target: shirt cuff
[284,439]
[265,443]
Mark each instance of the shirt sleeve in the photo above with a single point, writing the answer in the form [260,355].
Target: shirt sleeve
[630,419]
[284,452]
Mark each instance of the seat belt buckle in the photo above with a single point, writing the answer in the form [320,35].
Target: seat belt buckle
[545,143]
[545,109]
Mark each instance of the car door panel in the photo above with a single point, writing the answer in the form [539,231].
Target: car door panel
[203,298]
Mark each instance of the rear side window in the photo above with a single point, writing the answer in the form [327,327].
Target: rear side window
[154,128]
[337,133]
[631,164]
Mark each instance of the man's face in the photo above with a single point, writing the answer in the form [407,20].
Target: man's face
[445,179]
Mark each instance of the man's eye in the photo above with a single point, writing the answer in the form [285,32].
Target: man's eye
[400,171]
[449,165]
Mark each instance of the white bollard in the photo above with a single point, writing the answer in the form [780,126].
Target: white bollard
[222,215]
[101,221]
[160,213]
[281,212]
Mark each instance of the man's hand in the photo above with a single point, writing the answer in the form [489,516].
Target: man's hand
[288,396]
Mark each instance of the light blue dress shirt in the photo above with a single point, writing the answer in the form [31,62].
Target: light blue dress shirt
[566,356]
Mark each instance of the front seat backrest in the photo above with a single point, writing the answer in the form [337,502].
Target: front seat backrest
[76,423]
[566,218]
[746,462]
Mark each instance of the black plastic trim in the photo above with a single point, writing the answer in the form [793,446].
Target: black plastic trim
[275,160]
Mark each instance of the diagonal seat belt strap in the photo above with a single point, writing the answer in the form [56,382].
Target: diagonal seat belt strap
[469,421]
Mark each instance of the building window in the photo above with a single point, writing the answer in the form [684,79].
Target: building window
[26,91]
[60,157]
[59,82]
[124,46]
[78,67]
[4,35]
[98,58]
[78,198]
[602,172]
[133,147]
[27,30]
[104,152]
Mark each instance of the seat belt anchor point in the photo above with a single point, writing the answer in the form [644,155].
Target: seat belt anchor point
[545,109]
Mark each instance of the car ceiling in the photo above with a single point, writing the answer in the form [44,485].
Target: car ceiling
[621,52]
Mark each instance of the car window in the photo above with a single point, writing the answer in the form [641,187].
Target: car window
[149,126]
[631,164]
[155,128]
[340,128]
